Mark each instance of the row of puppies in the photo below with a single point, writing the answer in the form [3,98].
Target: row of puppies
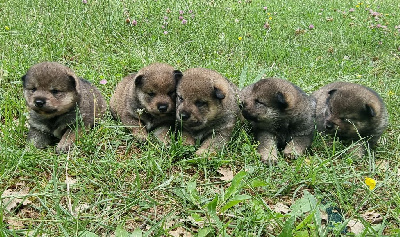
[205,105]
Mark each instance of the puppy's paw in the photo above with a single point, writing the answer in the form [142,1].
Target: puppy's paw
[269,156]
[140,134]
[292,152]
[206,151]
[64,147]
[162,134]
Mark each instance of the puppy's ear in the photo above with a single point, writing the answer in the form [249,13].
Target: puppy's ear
[177,75]
[219,94]
[332,91]
[139,80]
[281,101]
[74,82]
[370,111]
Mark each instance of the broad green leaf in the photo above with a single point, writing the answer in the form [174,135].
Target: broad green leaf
[304,204]
[204,232]
[196,217]
[235,200]
[121,232]
[302,233]
[192,191]
[258,183]
[307,220]
[288,227]
[137,233]
[212,210]
[235,185]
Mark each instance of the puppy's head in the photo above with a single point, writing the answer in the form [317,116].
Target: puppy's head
[200,97]
[155,87]
[267,99]
[350,113]
[50,89]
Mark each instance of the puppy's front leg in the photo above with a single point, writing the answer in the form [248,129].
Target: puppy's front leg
[39,139]
[67,141]
[214,142]
[297,146]
[137,127]
[267,147]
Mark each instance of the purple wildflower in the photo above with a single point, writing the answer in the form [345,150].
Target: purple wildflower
[180,17]
[103,82]
[165,32]
[134,22]
[180,12]
[265,8]
[84,1]
[184,21]
[165,18]
[352,10]
[311,27]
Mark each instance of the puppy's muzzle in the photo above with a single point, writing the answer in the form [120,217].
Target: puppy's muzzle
[40,102]
[162,107]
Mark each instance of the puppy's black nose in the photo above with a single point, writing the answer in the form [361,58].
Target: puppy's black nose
[329,125]
[39,103]
[162,108]
[184,116]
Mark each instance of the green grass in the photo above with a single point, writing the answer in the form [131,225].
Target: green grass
[123,187]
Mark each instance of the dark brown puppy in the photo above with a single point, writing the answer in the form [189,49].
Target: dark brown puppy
[282,117]
[207,108]
[145,101]
[351,111]
[54,95]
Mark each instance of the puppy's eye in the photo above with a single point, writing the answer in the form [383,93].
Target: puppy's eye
[33,89]
[151,94]
[54,91]
[200,103]
[258,102]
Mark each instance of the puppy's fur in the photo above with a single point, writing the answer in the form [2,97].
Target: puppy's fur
[351,111]
[282,117]
[145,101]
[207,108]
[54,95]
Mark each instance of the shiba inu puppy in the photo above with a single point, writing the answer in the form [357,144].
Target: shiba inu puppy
[145,101]
[54,95]
[282,117]
[207,108]
[351,112]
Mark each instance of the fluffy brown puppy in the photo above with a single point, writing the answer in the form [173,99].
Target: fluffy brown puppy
[145,101]
[207,108]
[54,95]
[351,111]
[282,117]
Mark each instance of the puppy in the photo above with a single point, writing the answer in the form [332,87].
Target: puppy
[351,112]
[145,101]
[54,95]
[282,117]
[207,108]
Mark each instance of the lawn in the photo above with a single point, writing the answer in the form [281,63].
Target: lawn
[110,185]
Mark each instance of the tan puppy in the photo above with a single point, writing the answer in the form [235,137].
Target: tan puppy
[351,111]
[207,108]
[145,101]
[54,95]
[282,116]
